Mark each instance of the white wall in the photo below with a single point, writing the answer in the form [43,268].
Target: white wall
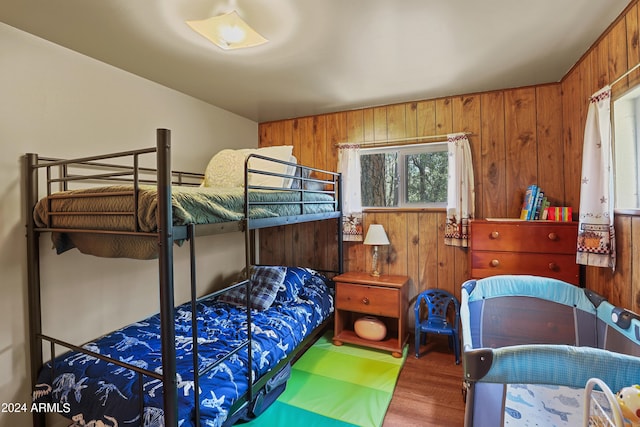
[56,102]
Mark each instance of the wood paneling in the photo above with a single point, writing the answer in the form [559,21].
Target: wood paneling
[600,64]
[430,250]
[549,134]
[396,121]
[633,51]
[617,46]
[426,118]
[520,136]
[611,56]
[490,165]
[635,265]
[521,146]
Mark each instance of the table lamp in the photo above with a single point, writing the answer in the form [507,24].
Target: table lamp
[376,236]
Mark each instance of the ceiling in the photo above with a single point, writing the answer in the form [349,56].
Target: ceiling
[327,55]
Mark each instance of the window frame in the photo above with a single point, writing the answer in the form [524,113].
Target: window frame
[624,128]
[403,151]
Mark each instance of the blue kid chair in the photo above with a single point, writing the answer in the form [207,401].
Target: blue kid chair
[437,302]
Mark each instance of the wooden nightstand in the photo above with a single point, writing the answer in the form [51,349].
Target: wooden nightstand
[385,297]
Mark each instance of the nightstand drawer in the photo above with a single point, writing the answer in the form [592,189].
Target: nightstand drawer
[367,299]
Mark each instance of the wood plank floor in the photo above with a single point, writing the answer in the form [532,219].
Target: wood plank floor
[429,389]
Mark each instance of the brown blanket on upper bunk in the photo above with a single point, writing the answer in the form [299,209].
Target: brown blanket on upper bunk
[113,208]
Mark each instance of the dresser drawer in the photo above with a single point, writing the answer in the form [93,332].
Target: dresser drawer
[557,266]
[542,237]
[367,299]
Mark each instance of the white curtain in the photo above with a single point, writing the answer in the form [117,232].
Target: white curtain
[461,192]
[349,167]
[596,234]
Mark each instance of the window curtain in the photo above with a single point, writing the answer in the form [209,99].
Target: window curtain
[349,167]
[461,192]
[596,234]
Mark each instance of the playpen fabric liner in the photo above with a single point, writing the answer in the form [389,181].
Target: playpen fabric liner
[80,380]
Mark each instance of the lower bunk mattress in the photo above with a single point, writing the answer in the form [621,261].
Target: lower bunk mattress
[96,392]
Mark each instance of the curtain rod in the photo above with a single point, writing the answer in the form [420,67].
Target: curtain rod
[632,69]
[402,141]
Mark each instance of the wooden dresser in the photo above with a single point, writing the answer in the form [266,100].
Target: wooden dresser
[541,248]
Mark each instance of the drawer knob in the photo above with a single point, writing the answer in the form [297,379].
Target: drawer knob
[494,263]
[553,266]
[494,235]
[553,236]
[365,301]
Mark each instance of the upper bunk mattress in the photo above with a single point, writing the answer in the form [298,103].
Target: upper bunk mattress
[96,391]
[113,208]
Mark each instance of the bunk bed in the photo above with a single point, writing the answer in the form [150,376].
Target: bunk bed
[174,368]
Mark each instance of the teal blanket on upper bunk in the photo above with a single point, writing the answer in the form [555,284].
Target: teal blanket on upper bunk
[114,207]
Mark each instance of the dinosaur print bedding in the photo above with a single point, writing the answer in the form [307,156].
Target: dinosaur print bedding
[100,393]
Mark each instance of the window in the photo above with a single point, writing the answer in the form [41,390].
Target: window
[626,150]
[405,176]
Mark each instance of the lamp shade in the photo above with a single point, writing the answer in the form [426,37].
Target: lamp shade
[376,235]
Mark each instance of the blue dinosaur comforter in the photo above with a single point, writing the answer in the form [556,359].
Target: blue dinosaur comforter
[93,391]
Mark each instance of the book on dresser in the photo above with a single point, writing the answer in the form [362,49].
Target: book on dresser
[537,205]
[528,202]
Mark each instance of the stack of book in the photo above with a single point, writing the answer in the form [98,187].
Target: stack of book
[535,204]
[559,213]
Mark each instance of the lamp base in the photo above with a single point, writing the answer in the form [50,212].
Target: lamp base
[375,272]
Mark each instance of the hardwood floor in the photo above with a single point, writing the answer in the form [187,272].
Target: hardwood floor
[429,389]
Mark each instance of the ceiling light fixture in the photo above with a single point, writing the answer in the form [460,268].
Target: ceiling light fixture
[228,31]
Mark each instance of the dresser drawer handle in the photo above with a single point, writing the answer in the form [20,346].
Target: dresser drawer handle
[494,263]
[553,266]
[494,235]
[553,236]
[365,301]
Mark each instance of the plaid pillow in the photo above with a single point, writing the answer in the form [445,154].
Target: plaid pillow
[265,282]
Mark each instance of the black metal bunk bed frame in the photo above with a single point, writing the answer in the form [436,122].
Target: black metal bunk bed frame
[167,234]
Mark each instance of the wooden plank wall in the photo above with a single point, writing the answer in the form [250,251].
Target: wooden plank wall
[519,137]
[615,52]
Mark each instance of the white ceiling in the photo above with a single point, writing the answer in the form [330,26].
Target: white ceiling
[327,55]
